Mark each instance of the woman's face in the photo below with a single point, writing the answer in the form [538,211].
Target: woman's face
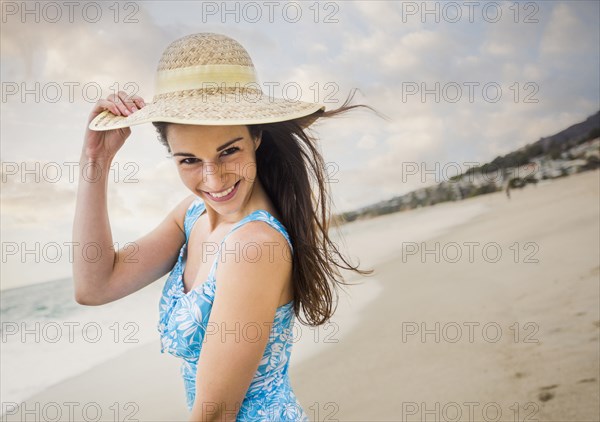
[217,163]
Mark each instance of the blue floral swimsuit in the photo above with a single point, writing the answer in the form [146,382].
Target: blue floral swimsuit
[183,319]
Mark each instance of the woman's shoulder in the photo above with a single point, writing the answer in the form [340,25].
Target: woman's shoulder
[195,204]
[184,209]
[252,230]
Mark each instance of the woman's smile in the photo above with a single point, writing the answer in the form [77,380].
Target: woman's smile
[224,195]
[263,143]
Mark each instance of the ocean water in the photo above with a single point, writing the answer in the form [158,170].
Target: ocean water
[47,337]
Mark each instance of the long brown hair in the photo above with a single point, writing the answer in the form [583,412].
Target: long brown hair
[290,167]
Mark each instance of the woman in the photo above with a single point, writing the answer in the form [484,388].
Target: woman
[248,161]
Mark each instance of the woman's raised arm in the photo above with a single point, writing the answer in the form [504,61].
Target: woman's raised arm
[100,273]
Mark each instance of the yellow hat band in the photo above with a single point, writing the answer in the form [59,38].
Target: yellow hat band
[204,76]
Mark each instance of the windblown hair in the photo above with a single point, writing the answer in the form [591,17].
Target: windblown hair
[293,174]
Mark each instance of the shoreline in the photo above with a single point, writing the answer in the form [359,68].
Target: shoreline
[549,369]
[363,375]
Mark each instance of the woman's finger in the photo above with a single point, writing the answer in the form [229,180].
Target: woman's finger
[110,106]
[139,101]
[126,99]
[120,105]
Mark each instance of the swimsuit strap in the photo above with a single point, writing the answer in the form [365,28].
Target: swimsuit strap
[258,215]
[194,211]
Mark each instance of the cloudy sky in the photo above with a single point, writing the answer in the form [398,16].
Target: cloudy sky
[461,82]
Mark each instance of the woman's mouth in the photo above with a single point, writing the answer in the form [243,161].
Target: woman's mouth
[225,195]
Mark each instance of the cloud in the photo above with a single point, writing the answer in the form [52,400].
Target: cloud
[80,51]
[366,142]
[371,48]
[566,34]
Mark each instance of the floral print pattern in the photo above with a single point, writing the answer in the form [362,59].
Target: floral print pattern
[183,320]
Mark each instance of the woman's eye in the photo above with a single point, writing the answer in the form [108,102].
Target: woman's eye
[230,151]
[185,161]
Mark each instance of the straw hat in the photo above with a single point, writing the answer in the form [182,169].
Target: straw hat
[208,79]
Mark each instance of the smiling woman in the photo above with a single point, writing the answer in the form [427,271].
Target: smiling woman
[214,167]
[250,247]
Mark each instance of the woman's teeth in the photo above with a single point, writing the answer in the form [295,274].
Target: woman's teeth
[222,194]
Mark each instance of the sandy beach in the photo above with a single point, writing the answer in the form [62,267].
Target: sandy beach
[495,318]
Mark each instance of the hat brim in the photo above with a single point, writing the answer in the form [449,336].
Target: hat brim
[226,109]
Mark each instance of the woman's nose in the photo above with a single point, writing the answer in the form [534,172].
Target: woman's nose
[212,177]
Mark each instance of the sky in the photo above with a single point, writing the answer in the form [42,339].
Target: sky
[459,82]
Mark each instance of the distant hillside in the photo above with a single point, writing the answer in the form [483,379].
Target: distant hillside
[574,149]
[551,146]
[573,135]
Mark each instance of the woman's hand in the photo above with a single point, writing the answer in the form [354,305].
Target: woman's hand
[103,145]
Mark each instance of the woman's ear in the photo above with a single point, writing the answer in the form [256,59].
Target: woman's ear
[257,140]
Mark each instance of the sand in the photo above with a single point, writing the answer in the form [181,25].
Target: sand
[516,339]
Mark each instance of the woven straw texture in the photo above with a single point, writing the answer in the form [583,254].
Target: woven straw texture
[205,48]
[214,106]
